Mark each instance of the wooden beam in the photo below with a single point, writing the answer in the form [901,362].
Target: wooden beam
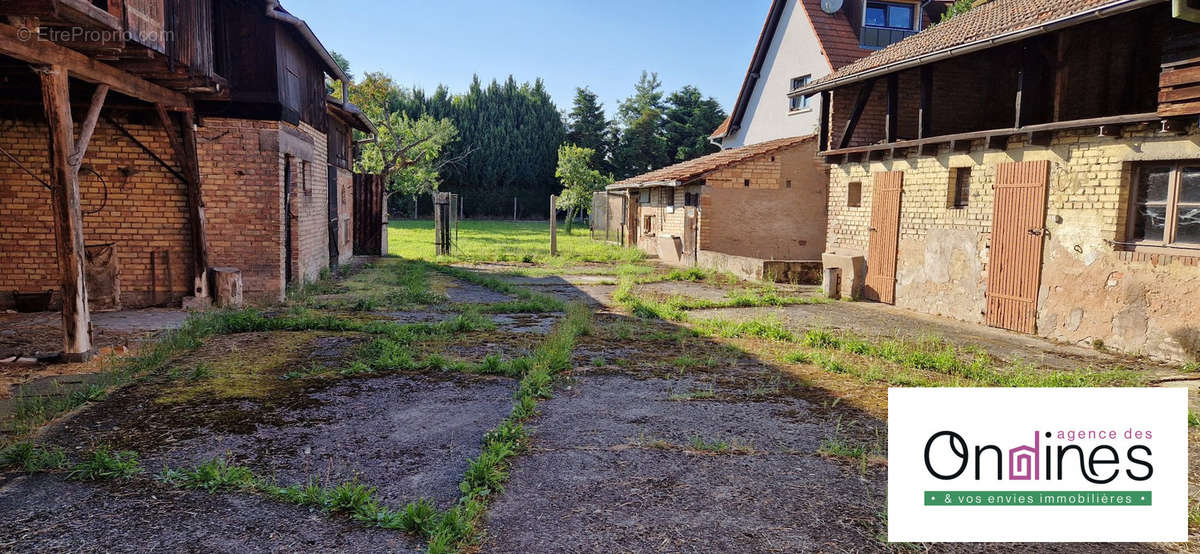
[39,52]
[826,99]
[89,126]
[892,123]
[184,145]
[68,218]
[925,113]
[864,94]
[1022,78]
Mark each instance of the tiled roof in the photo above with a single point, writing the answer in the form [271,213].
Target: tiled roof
[722,129]
[836,35]
[834,32]
[984,21]
[691,169]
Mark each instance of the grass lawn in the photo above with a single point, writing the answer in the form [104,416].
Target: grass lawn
[505,241]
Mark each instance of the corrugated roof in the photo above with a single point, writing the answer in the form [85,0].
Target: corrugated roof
[693,169]
[985,21]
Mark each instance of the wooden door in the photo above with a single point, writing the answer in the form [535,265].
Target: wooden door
[885,237]
[1018,233]
[689,235]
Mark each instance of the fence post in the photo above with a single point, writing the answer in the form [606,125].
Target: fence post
[553,225]
[441,223]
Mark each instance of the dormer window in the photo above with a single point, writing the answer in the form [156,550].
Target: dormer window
[890,16]
[799,103]
[886,23]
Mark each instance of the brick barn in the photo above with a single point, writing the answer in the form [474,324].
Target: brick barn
[756,211]
[177,144]
[1030,165]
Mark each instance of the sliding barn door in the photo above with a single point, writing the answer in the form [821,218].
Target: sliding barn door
[885,237]
[1015,268]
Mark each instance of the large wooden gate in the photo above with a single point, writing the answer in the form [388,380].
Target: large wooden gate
[1015,266]
[369,219]
[885,237]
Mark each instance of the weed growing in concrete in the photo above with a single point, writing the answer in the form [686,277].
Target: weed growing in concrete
[212,476]
[103,464]
[1193,419]
[766,327]
[700,444]
[32,458]
[687,362]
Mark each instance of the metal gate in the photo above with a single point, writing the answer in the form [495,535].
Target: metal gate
[885,237]
[1018,234]
[608,217]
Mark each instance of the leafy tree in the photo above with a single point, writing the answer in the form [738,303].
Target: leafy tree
[689,120]
[407,150]
[588,128]
[959,7]
[343,63]
[578,179]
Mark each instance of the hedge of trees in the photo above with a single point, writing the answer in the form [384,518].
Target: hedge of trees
[500,141]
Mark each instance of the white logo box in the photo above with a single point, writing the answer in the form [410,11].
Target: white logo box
[1038,506]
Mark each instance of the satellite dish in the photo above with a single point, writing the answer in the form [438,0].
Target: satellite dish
[831,6]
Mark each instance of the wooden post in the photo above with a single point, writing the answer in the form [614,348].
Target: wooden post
[553,225]
[441,222]
[189,162]
[68,218]
[925,115]
[891,129]
[823,126]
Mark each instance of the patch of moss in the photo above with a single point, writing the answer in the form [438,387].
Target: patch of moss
[251,371]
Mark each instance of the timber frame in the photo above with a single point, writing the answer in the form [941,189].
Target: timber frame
[55,65]
[1043,71]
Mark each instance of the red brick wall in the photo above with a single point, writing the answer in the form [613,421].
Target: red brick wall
[146,215]
[310,209]
[240,167]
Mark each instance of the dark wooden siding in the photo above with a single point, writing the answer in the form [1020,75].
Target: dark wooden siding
[339,135]
[301,78]
[190,26]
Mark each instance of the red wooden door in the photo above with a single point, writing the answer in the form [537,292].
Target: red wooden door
[1018,234]
[885,237]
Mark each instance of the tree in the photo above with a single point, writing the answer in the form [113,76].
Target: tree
[959,7]
[406,150]
[689,120]
[578,179]
[647,96]
[642,146]
[344,64]
[588,128]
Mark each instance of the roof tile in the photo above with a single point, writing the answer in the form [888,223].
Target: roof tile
[691,169]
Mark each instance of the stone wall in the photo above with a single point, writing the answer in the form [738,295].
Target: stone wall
[1092,289]
[145,216]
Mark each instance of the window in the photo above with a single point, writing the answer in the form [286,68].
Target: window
[746,182]
[797,103]
[648,224]
[669,196]
[644,197]
[889,16]
[854,197]
[691,199]
[1165,205]
[960,188]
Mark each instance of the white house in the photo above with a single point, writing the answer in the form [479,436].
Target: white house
[802,41]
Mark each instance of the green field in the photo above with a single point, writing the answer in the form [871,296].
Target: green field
[505,241]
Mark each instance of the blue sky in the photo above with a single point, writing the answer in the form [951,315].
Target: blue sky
[568,43]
